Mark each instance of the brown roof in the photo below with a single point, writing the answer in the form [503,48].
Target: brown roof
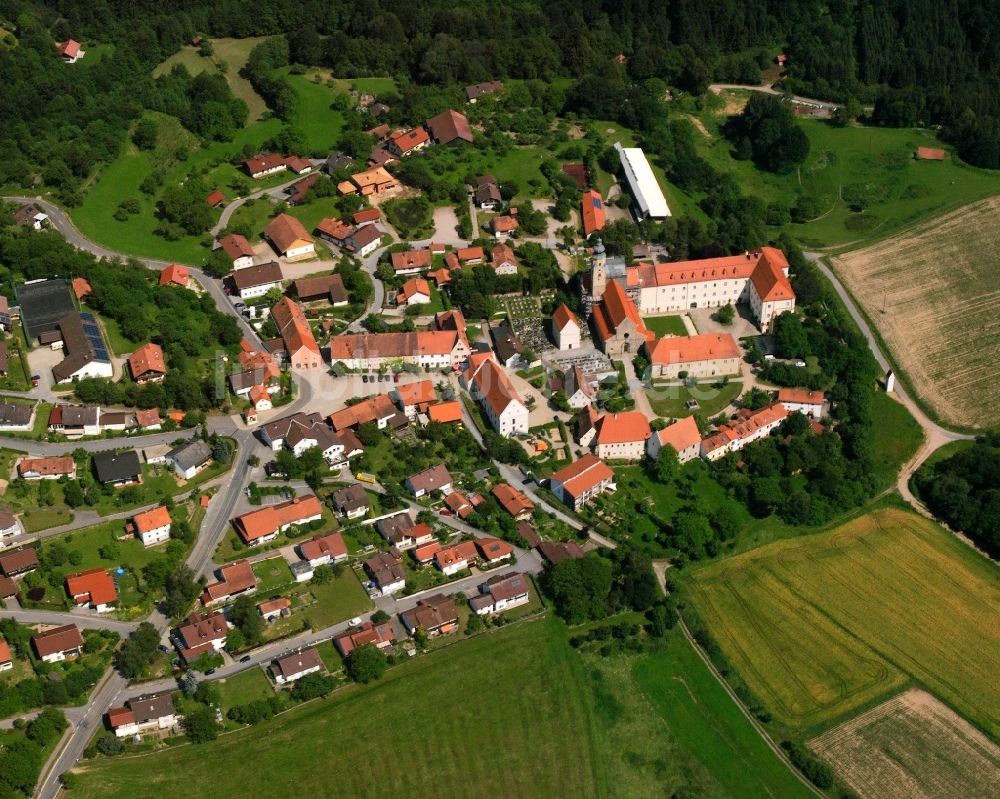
[148,358]
[286,232]
[60,639]
[367,633]
[201,630]
[430,479]
[448,126]
[489,87]
[257,275]
[51,464]
[321,545]
[262,162]
[529,534]
[235,577]
[236,246]
[556,551]
[311,288]
[293,326]
[578,172]
[18,561]
[8,588]
[432,613]
[513,500]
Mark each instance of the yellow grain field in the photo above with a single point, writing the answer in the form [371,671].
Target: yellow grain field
[933,295]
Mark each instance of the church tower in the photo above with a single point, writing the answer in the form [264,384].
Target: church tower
[598,271]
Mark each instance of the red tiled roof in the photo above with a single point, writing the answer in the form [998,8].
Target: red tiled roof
[274,605]
[494,385]
[148,358]
[504,224]
[70,48]
[151,519]
[393,345]
[214,198]
[59,639]
[512,499]
[413,287]
[593,212]
[331,544]
[175,273]
[293,327]
[563,316]
[335,229]
[680,435]
[622,428]
[802,396]
[469,254]
[406,140]
[370,410]
[450,556]
[81,287]
[494,548]
[264,521]
[410,259]
[95,586]
[366,215]
[445,412]
[692,349]
[418,393]
[583,474]
[51,464]
[263,162]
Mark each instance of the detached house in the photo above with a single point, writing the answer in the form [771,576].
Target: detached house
[802,400]
[488,196]
[288,236]
[351,501]
[234,579]
[95,588]
[324,549]
[18,561]
[175,275]
[457,557]
[503,260]
[190,458]
[436,478]
[256,280]
[118,468]
[436,615]
[380,636]
[683,435]
[142,714]
[503,227]
[386,572]
[450,127]
[238,250]
[296,665]
[415,291]
[58,644]
[410,262]
[264,164]
[500,593]
[579,387]
[402,143]
[513,500]
[363,241]
[201,634]
[152,526]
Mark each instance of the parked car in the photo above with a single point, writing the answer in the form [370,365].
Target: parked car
[355,621]
[364,378]
[245,659]
[800,363]
[210,671]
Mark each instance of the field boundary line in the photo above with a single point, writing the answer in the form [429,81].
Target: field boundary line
[746,712]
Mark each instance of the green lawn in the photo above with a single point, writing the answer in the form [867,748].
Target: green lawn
[121,178]
[877,163]
[339,599]
[320,124]
[244,687]
[666,325]
[572,725]
[38,519]
[668,401]
[273,575]
[896,436]
[18,378]
[89,540]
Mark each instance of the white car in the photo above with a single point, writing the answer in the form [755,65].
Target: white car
[356,621]
[800,363]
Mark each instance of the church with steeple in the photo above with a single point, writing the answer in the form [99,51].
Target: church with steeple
[759,279]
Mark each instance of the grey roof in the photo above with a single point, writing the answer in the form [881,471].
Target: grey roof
[505,342]
[350,498]
[280,428]
[300,567]
[430,479]
[80,348]
[392,525]
[338,160]
[80,415]
[248,379]
[113,467]
[43,304]
[15,414]
[191,455]
[297,662]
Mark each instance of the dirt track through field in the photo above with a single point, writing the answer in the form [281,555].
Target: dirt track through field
[912,747]
[934,297]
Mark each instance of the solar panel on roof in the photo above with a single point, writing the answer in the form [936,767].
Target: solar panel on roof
[596,201]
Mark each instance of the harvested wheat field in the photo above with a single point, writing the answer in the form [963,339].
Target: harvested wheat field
[822,626]
[912,747]
[941,320]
